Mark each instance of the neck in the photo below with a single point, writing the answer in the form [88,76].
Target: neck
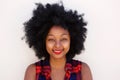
[57,63]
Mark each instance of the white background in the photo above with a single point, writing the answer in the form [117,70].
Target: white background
[102,45]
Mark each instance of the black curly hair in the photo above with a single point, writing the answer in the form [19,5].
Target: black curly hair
[48,15]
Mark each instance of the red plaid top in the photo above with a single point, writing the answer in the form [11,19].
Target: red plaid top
[72,67]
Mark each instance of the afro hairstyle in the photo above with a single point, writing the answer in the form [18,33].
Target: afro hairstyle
[46,16]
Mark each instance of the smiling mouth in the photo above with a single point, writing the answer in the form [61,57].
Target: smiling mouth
[57,51]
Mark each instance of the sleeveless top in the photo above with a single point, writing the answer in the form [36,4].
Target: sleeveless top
[72,69]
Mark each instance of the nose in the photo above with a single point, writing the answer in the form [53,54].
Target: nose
[57,44]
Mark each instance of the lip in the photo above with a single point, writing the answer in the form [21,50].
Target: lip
[57,51]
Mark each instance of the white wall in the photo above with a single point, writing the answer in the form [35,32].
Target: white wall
[102,44]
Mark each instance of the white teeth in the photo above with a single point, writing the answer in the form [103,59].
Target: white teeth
[57,51]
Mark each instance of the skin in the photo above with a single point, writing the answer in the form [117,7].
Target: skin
[57,45]
[57,41]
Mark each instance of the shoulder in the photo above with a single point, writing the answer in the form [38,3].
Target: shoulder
[84,68]
[86,72]
[30,73]
[76,63]
[34,69]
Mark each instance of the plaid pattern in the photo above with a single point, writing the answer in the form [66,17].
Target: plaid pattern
[72,67]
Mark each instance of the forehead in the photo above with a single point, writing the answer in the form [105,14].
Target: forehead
[58,30]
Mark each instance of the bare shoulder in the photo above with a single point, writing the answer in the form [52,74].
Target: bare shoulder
[30,72]
[86,72]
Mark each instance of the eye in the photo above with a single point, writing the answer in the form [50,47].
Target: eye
[64,39]
[51,40]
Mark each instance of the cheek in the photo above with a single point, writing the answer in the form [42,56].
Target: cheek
[67,45]
[49,46]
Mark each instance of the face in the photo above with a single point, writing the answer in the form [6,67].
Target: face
[58,42]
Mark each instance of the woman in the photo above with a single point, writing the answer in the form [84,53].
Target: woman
[56,35]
